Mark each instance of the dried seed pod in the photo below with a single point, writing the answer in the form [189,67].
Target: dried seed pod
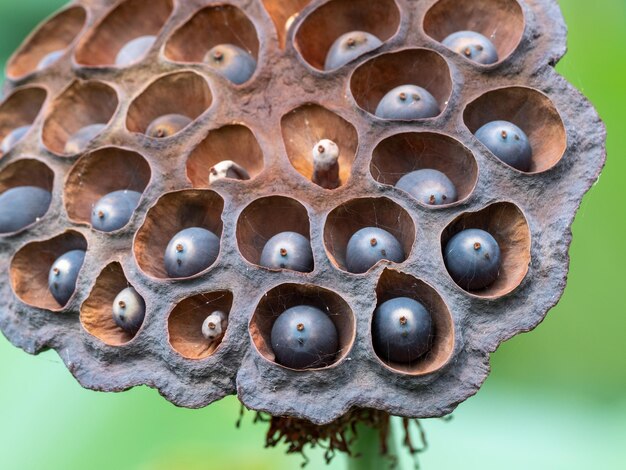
[296,148]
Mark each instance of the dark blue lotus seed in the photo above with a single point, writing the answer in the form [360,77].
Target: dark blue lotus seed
[49,59]
[288,250]
[129,310]
[114,210]
[81,138]
[304,337]
[348,47]
[473,259]
[63,275]
[408,102]
[134,50]
[167,125]
[232,62]
[507,142]
[370,245]
[191,251]
[22,206]
[429,187]
[13,138]
[472,45]
[401,330]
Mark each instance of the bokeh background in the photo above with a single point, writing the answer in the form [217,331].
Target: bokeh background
[556,398]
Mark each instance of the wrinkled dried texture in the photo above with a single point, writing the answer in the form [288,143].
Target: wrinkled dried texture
[164,353]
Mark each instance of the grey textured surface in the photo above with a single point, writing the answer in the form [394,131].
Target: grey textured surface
[284,81]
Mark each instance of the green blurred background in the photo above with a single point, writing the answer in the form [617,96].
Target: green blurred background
[556,398]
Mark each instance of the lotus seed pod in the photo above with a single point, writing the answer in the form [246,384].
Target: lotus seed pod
[82,138]
[129,310]
[134,50]
[381,200]
[214,327]
[227,169]
[22,206]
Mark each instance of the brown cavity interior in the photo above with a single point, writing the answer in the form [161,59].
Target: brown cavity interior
[184,323]
[265,218]
[324,25]
[354,215]
[403,153]
[96,312]
[422,67]
[26,172]
[393,284]
[507,224]
[129,20]
[56,34]
[282,13]
[99,173]
[82,104]
[233,142]
[531,111]
[185,93]
[31,265]
[221,24]
[501,21]
[172,213]
[305,126]
[20,109]
[285,296]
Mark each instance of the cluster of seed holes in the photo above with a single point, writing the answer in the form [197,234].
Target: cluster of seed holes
[285,296]
[393,284]
[172,213]
[304,127]
[99,173]
[96,312]
[82,104]
[209,27]
[183,93]
[487,17]
[234,142]
[184,323]
[127,21]
[530,110]
[356,214]
[31,265]
[20,108]
[403,153]
[267,217]
[380,18]
[55,35]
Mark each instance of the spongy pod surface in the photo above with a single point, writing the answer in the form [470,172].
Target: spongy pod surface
[239,170]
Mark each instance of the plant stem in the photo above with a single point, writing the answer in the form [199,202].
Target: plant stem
[367,450]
